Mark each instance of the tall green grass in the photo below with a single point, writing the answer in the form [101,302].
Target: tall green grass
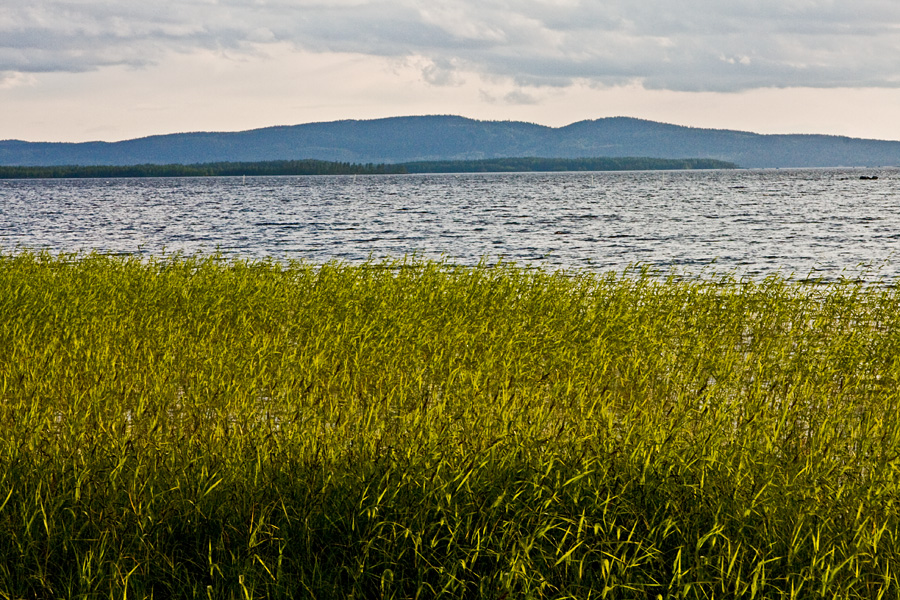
[190,427]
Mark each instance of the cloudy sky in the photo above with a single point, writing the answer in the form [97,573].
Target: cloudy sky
[76,70]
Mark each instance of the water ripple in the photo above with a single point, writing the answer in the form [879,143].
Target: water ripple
[754,222]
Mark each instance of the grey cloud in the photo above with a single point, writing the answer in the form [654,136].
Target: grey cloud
[673,44]
[519,97]
[441,72]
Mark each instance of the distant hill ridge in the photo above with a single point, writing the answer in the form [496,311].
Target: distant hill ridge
[446,138]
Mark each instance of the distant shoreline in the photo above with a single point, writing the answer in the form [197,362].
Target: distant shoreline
[532,164]
[319,167]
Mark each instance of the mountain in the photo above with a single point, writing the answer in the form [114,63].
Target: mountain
[432,138]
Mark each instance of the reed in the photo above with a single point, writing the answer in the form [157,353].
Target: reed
[194,427]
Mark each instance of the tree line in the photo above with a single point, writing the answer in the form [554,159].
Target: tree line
[321,167]
[216,169]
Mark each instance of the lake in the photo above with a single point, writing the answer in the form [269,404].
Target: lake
[827,222]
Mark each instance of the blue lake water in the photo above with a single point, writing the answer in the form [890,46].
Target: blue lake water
[827,222]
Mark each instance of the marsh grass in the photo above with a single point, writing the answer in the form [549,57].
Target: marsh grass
[190,427]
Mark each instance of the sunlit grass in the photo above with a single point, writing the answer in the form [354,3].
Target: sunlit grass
[194,427]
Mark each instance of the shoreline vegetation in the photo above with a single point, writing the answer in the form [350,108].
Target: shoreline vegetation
[186,427]
[319,167]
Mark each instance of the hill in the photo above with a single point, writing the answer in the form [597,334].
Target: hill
[443,138]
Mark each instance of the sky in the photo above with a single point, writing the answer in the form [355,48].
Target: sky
[79,70]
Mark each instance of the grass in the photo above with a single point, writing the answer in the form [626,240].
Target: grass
[190,427]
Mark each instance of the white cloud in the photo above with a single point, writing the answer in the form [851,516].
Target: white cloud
[664,44]
[14,79]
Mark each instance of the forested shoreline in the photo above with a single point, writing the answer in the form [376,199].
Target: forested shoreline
[218,169]
[321,167]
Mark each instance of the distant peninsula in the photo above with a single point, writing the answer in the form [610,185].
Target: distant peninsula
[447,138]
[319,167]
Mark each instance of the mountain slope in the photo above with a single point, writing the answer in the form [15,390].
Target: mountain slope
[406,139]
